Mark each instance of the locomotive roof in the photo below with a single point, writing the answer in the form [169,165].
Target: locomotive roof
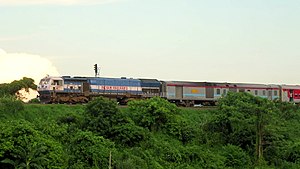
[149,80]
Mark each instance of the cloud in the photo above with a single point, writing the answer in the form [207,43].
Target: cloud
[54,2]
[14,66]
[14,38]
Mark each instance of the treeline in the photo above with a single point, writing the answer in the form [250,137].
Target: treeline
[243,132]
[13,88]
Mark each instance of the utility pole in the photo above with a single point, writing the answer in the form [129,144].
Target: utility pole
[109,167]
[259,137]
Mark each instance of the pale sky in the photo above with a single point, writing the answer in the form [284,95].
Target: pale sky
[256,41]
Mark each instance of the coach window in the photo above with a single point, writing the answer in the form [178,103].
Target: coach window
[256,92]
[275,93]
[218,91]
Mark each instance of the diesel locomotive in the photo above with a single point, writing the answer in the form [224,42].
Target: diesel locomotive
[66,89]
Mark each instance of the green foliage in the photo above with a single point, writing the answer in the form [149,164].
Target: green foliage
[23,146]
[181,129]
[236,157]
[292,153]
[238,119]
[130,160]
[102,107]
[35,100]
[104,118]
[153,113]
[9,106]
[88,150]
[71,118]
[289,111]
[204,157]
[100,115]
[128,134]
[152,134]
[13,87]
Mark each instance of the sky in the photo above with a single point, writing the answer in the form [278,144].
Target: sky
[251,41]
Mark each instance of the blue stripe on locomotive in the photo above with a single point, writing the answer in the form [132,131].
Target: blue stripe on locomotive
[72,91]
[116,91]
[72,83]
[115,82]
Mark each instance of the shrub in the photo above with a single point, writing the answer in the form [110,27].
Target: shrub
[180,128]
[9,105]
[235,157]
[100,115]
[153,113]
[128,134]
[22,145]
[35,100]
[88,150]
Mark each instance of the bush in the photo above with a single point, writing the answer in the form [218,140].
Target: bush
[128,134]
[180,128]
[9,105]
[130,160]
[22,145]
[35,100]
[153,113]
[235,157]
[100,115]
[88,150]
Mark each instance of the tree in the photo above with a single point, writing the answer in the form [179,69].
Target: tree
[242,120]
[100,115]
[128,134]
[13,87]
[104,118]
[153,113]
[28,157]
[88,150]
[23,146]
[180,128]
[235,157]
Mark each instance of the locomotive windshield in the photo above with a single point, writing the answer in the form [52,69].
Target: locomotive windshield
[57,82]
[44,81]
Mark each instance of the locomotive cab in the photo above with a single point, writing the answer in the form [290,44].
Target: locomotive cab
[48,86]
[51,84]
[57,84]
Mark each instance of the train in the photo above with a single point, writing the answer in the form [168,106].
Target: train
[67,89]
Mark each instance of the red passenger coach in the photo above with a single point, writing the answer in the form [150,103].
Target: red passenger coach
[291,93]
[296,94]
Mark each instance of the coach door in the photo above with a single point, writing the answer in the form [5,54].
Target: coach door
[270,95]
[209,90]
[291,95]
[86,88]
[179,92]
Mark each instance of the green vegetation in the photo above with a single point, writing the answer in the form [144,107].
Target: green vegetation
[243,132]
[13,88]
